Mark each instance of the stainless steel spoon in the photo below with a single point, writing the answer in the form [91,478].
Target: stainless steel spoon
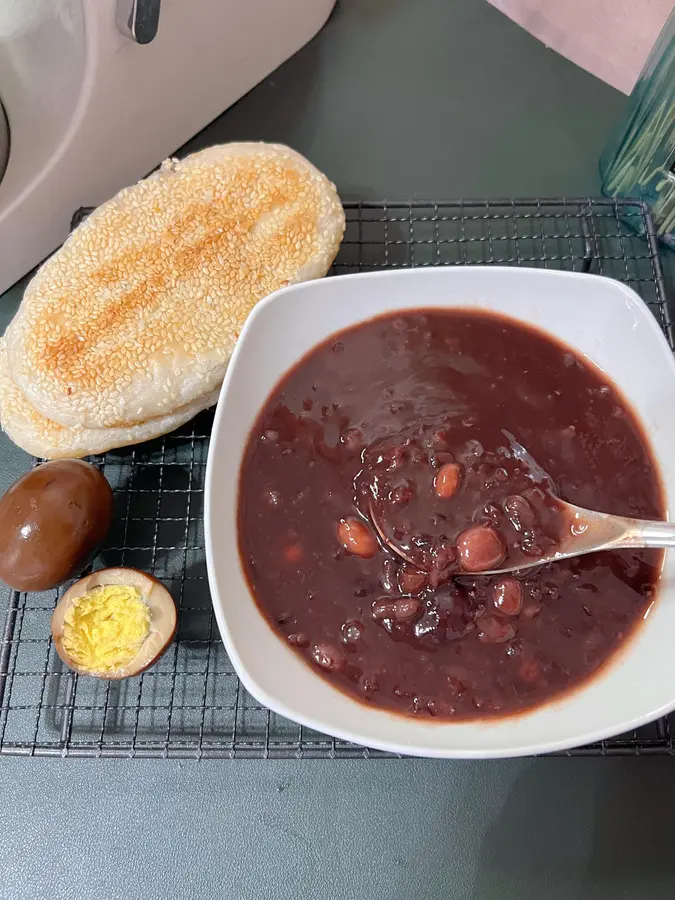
[588,532]
[591,532]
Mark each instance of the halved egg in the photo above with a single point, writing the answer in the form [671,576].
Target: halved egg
[113,623]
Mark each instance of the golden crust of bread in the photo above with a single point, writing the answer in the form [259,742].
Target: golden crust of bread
[41,437]
[138,313]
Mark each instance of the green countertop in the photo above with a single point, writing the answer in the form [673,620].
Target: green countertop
[394,99]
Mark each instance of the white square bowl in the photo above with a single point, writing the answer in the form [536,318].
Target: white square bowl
[597,317]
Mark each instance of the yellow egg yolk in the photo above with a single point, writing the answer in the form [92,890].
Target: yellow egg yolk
[104,629]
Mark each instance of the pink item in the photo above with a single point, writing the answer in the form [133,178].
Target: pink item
[609,38]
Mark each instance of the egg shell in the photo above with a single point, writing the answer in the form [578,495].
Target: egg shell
[52,521]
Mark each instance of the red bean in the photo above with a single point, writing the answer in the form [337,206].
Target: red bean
[293,553]
[356,537]
[404,609]
[437,577]
[298,640]
[474,448]
[519,512]
[401,494]
[447,480]
[492,514]
[388,576]
[440,439]
[507,596]
[533,590]
[479,548]
[352,631]
[492,630]
[552,592]
[328,657]
[411,580]
[529,671]
[442,553]
[531,609]
[529,545]
[400,610]
[439,458]
[381,609]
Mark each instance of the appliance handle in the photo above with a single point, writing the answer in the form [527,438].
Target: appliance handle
[138,19]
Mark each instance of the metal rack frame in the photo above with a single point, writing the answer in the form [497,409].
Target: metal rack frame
[191,704]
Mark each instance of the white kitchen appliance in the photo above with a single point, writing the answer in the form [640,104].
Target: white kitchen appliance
[97,92]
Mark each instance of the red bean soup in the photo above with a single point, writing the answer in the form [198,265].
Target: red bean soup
[403,457]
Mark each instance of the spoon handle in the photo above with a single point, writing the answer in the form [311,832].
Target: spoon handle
[640,533]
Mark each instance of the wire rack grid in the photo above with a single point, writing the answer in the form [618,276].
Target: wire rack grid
[191,704]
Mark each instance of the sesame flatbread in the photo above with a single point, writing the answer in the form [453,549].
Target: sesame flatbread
[43,438]
[137,314]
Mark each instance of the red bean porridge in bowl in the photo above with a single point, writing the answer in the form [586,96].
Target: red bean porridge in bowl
[386,471]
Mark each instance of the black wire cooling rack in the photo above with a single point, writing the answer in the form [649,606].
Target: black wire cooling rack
[191,703]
